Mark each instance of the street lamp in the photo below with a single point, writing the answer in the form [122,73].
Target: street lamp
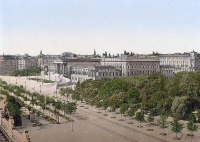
[40,88]
[25,84]
[45,103]
[16,81]
[55,94]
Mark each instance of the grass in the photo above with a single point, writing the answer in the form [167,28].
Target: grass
[105,114]
[130,122]
[43,80]
[113,117]
[49,119]
[65,117]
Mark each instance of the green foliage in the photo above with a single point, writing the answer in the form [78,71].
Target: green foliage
[105,104]
[71,107]
[162,122]
[132,110]
[13,107]
[139,116]
[26,72]
[176,126]
[178,95]
[123,108]
[191,126]
[150,118]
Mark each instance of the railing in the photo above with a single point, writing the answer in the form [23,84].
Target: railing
[7,128]
[13,135]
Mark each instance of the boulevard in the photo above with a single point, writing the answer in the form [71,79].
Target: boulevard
[90,126]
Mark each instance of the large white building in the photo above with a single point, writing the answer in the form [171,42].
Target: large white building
[63,64]
[133,65]
[82,73]
[174,63]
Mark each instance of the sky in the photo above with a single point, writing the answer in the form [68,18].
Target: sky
[80,26]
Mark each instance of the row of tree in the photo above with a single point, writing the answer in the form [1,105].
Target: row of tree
[26,72]
[37,99]
[155,95]
[176,96]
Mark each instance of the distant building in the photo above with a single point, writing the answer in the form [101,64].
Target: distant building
[62,65]
[8,64]
[94,55]
[174,63]
[134,64]
[26,62]
[47,61]
[82,73]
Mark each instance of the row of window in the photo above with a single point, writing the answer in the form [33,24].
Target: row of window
[140,72]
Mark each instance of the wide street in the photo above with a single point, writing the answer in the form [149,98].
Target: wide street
[90,126]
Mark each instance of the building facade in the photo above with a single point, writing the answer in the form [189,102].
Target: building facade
[8,64]
[47,61]
[63,64]
[133,65]
[26,62]
[81,73]
[174,63]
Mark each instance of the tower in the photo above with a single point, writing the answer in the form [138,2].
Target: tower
[95,54]
[40,53]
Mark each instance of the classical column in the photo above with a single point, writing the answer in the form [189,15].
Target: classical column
[63,68]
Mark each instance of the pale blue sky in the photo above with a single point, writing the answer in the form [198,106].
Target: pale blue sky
[80,26]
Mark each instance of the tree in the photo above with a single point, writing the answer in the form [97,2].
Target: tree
[123,109]
[150,119]
[139,117]
[162,122]
[71,107]
[13,106]
[105,104]
[176,126]
[64,107]
[132,110]
[191,126]
[57,107]
[66,92]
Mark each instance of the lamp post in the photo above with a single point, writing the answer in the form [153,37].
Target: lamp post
[40,88]
[25,84]
[45,103]
[49,75]
[55,94]
[16,81]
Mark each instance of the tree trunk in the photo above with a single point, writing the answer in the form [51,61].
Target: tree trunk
[191,138]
